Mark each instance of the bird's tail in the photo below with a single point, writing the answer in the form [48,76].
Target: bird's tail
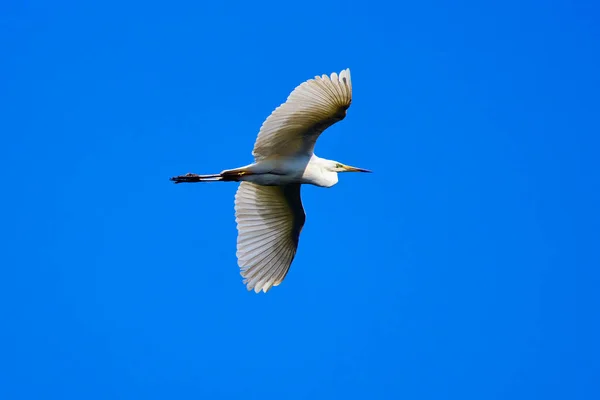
[191,178]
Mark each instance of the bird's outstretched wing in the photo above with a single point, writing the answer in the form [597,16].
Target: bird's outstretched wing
[312,107]
[269,220]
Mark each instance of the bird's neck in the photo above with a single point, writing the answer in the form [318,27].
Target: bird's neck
[322,174]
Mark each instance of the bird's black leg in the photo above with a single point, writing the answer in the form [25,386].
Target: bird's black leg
[191,178]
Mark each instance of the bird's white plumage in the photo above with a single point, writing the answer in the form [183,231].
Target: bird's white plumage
[269,220]
[312,107]
[268,207]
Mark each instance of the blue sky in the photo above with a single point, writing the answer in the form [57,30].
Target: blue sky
[464,267]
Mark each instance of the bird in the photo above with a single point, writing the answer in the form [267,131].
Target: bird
[269,213]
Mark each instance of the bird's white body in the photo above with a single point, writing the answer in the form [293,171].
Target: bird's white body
[300,168]
[268,207]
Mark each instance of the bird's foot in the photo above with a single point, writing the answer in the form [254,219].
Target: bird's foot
[189,177]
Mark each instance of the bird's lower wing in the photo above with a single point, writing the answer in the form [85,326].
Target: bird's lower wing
[312,107]
[269,220]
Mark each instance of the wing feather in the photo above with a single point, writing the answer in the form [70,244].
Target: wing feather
[269,220]
[312,107]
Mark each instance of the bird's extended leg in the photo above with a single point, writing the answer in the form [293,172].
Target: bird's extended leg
[234,175]
[191,178]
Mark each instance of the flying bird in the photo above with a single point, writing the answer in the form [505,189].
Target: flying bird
[268,208]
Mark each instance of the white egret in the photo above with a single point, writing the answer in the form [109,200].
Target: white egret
[268,207]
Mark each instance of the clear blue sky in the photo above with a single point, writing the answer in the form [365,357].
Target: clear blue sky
[465,267]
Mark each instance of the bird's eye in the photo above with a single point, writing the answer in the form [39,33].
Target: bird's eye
[338,165]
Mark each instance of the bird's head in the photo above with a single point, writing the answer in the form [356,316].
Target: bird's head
[335,166]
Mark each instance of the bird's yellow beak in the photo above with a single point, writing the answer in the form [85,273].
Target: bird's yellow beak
[348,168]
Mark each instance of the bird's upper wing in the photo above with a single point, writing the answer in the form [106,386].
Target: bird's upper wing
[269,220]
[312,107]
